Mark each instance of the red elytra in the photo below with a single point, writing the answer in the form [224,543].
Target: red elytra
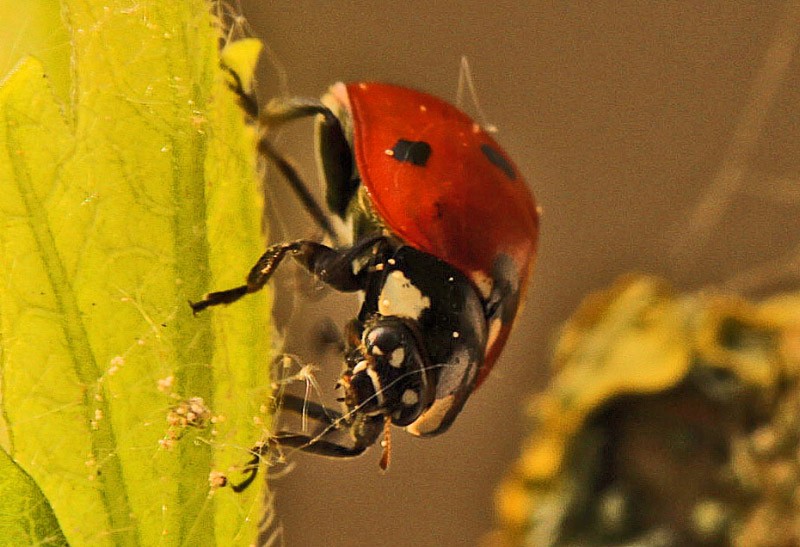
[460,206]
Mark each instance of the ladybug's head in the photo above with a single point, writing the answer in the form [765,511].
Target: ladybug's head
[388,373]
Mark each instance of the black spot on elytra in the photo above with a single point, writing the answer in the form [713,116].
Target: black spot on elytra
[415,152]
[497,158]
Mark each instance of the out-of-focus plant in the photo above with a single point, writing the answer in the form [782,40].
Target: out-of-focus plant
[670,420]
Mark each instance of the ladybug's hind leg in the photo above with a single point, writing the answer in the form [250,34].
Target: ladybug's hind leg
[334,152]
[247,99]
[281,111]
[266,149]
[345,270]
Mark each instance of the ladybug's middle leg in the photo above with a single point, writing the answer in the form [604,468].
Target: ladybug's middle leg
[333,267]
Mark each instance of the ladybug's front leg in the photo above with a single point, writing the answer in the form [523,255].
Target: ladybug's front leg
[331,419]
[302,442]
[365,432]
[333,267]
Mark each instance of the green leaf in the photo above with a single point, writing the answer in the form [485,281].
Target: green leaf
[34,27]
[26,519]
[114,213]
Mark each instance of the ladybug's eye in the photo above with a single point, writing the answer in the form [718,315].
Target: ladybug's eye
[499,160]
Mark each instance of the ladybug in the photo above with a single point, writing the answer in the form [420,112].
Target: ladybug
[444,233]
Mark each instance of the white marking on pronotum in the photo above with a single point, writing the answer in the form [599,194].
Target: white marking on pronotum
[400,297]
[397,357]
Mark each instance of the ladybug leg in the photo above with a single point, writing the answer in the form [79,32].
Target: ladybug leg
[335,155]
[314,445]
[282,110]
[337,268]
[305,443]
[311,409]
[247,100]
[333,420]
[274,117]
[299,187]
[365,433]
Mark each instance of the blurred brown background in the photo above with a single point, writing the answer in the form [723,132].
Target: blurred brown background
[658,137]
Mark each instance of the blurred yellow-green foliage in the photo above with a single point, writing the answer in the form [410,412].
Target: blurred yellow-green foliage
[671,419]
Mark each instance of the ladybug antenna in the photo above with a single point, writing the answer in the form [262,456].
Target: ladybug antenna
[465,81]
